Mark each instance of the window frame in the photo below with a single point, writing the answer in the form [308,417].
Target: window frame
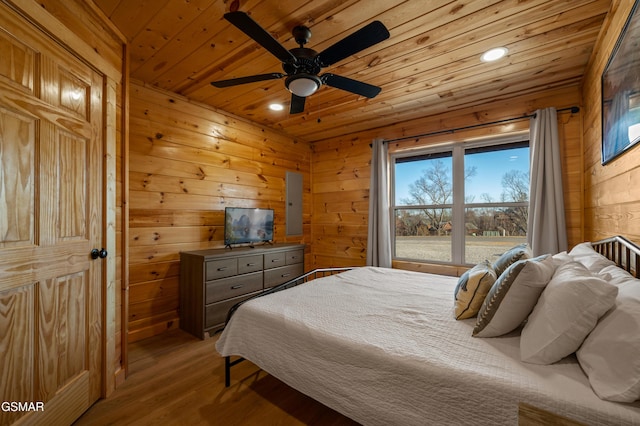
[458,150]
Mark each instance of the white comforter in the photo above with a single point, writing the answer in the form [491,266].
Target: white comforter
[382,347]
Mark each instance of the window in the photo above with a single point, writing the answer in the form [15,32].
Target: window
[460,204]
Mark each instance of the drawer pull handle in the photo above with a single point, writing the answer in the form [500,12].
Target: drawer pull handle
[251,264]
[222,268]
[235,287]
[285,275]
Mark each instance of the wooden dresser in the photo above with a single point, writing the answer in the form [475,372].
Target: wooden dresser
[212,281]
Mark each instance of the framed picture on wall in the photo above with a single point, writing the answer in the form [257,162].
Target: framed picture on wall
[621,91]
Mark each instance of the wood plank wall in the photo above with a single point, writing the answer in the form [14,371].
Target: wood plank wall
[341,172]
[187,163]
[122,228]
[611,194]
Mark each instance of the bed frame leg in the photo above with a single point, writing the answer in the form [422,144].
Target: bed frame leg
[227,371]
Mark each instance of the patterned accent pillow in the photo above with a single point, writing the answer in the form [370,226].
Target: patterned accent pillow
[472,289]
[511,256]
[513,296]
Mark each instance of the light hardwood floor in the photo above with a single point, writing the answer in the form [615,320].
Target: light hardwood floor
[177,379]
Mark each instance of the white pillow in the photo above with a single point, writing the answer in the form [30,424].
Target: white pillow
[585,254]
[566,312]
[513,296]
[562,258]
[610,355]
[616,275]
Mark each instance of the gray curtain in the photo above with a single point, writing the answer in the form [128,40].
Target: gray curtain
[547,230]
[379,236]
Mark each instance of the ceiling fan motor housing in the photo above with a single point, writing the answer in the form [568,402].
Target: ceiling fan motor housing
[305,62]
[302,74]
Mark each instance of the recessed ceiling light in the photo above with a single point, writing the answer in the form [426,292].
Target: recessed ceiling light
[276,107]
[494,54]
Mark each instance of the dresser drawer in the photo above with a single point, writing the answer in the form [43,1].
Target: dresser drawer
[215,314]
[213,280]
[215,269]
[226,288]
[273,277]
[294,256]
[248,264]
[274,260]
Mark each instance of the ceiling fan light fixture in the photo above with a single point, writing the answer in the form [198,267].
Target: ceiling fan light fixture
[303,85]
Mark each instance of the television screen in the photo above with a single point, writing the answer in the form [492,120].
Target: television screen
[247,225]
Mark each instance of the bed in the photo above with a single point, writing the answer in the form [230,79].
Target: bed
[383,346]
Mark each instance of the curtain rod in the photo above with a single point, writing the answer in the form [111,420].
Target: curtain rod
[573,109]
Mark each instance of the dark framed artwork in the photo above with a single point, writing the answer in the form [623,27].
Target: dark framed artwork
[621,91]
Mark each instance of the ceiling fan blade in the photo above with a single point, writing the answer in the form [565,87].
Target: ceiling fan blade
[244,80]
[251,28]
[350,85]
[297,104]
[367,36]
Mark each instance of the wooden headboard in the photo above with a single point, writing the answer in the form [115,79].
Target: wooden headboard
[622,251]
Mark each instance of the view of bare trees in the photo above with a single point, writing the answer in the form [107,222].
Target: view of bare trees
[434,188]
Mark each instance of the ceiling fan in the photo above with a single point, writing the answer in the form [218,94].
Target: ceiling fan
[302,65]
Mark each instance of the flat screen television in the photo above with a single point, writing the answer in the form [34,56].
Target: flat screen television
[247,225]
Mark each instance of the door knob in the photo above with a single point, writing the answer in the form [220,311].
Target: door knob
[95,253]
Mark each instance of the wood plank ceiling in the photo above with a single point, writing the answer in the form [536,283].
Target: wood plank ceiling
[430,64]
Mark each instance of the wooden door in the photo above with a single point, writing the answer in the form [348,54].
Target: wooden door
[51,148]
